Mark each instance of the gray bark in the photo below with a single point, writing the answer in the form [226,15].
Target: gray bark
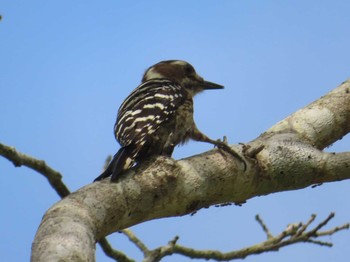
[291,158]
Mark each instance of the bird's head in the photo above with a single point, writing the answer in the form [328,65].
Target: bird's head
[180,72]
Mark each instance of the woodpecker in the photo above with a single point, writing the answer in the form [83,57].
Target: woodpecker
[158,115]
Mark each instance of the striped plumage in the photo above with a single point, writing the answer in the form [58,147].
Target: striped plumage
[158,115]
[146,108]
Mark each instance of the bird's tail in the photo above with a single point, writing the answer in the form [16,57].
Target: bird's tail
[120,162]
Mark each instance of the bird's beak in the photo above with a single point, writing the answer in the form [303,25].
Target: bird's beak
[210,85]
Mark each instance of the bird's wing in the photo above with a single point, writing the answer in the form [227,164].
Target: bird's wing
[146,108]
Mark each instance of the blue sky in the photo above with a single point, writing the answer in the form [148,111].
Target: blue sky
[67,65]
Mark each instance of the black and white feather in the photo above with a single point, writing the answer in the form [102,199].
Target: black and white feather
[143,112]
[145,109]
[158,115]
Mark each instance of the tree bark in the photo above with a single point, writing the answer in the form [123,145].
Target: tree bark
[288,156]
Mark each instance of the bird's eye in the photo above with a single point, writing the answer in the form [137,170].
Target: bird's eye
[189,70]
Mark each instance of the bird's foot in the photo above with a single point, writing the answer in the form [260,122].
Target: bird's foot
[223,145]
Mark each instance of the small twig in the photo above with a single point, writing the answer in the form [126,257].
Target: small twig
[322,224]
[294,233]
[333,230]
[288,232]
[112,253]
[303,227]
[321,243]
[132,237]
[160,252]
[172,242]
[20,159]
[263,226]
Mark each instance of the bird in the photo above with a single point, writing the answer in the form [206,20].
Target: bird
[158,115]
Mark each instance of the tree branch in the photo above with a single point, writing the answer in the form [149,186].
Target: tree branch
[264,227]
[291,235]
[133,238]
[113,253]
[289,157]
[287,160]
[320,123]
[20,159]
[294,233]
[55,180]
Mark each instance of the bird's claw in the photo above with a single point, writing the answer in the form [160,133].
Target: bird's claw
[224,146]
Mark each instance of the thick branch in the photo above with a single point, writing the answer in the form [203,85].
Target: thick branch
[166,187]
[320,123]
[55,180]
